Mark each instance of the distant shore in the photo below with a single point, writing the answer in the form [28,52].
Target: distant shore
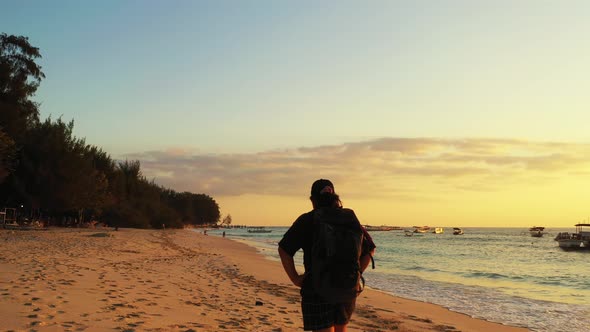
[173,280]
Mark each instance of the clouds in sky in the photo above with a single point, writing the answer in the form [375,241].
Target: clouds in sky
[380,167]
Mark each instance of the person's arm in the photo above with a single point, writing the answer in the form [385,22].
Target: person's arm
[366,259]
[368,248]
[289,266]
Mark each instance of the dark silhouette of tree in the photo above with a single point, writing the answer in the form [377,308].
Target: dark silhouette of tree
[59,175]
[45,168]
[20,77]
[7,155]
[227,220]
[194,209]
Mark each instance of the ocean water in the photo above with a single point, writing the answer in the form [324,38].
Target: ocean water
[498,274]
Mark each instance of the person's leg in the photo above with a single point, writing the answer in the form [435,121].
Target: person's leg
[343,313]
[340,328]
[318,315]
[327,329]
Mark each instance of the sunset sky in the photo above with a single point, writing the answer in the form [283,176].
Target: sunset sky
[440,113]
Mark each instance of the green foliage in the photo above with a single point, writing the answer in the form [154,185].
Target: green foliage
[58,171]
[47,169]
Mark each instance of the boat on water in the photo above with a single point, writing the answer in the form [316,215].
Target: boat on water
[457,231]
[258,230]
[421,229]
[379,228]
[438,230]
[580,240]
[537,231]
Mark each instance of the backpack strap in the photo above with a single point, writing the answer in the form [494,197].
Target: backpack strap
[362,284]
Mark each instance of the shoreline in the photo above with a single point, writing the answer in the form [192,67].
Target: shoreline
[418,311]
[175,280]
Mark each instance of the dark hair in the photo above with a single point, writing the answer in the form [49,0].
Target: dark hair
[327,200]
[323,194]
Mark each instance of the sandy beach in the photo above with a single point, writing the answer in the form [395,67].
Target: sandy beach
[173,280]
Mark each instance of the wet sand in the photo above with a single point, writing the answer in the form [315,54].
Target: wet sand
[173,280]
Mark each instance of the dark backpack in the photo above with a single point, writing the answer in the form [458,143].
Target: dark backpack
[336,250]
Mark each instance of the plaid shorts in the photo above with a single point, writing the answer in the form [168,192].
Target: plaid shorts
[319,314]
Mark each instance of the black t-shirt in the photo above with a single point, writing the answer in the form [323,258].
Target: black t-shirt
[300,236]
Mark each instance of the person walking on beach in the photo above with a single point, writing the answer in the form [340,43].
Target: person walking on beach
[336,250]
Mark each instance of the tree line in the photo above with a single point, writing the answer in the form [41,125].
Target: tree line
[46,172]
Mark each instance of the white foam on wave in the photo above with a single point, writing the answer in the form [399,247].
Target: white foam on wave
[485,303]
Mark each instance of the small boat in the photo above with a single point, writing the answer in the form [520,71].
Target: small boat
[258,230]
[537,231]
[580,240]
[408,233]
[438,230]
[421,229]
[457,231]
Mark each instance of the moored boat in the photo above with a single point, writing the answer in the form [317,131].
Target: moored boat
[457,231]
[438,230]
[421,229]
[537,231]
[580,240]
